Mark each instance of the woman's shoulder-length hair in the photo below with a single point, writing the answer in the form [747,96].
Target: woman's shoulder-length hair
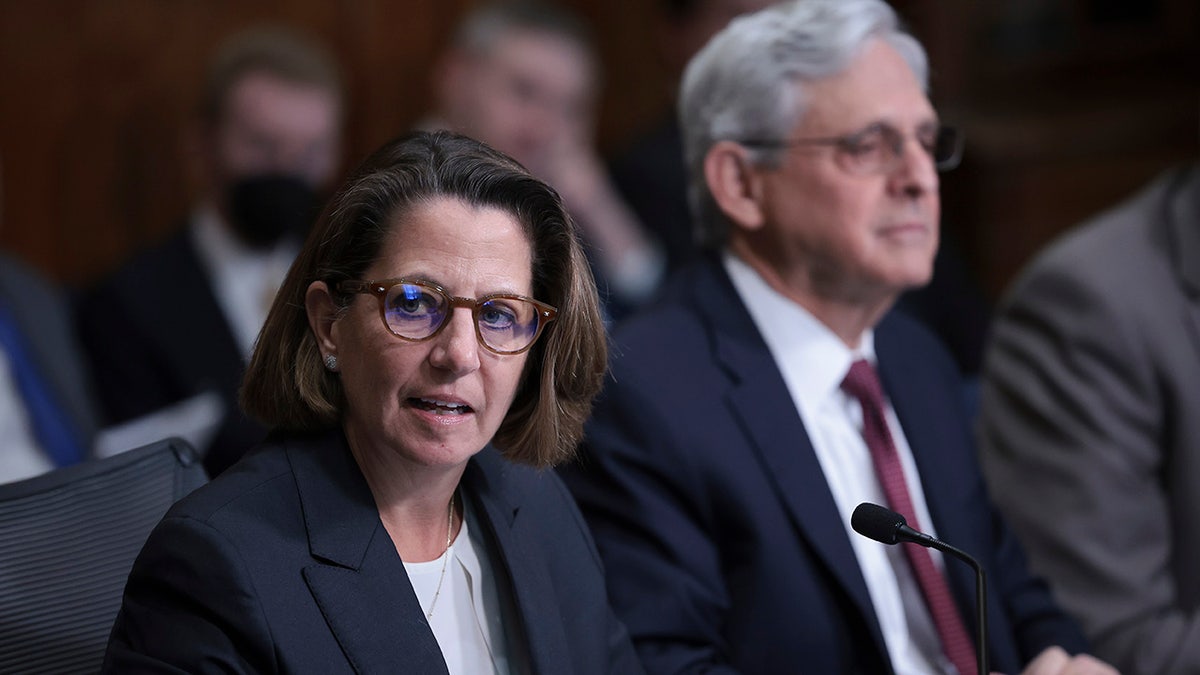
[286,385]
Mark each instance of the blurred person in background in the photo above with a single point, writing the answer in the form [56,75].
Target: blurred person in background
[48,415]
[522,77]
[178,321]
[650,173]
[1089,426]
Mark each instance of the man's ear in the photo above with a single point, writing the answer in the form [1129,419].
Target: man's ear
[734,184]
[321,315]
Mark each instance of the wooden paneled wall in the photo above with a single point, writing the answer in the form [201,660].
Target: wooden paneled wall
[95,99]
[1068,105]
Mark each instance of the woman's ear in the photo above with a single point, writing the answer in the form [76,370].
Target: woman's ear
[734,184]
[322,312]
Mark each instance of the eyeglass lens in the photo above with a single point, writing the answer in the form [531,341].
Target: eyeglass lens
[504,324]
[880,146]
[947,148]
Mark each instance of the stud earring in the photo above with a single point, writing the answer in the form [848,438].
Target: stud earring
[331,363]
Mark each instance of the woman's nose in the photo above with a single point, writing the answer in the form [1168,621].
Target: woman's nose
[456,347]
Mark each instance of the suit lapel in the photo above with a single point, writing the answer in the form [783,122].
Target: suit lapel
[167,288]
[1182,215]
[927,417]
[533,594]
[357,579]
[189,299]
[759,398]
[931,418]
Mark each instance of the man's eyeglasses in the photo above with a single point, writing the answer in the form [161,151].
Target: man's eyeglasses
[879,148]
[417,311]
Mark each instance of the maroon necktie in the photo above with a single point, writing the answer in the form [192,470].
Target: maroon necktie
[863,384]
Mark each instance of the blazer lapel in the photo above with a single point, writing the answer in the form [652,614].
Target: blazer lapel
[357,579]
[531,590]
[759,397]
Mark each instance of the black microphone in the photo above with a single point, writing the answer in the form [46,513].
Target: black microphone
[888,527]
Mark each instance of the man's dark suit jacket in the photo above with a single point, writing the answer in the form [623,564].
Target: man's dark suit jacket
[724,548]
[44,319]
[155,336]
[282,564]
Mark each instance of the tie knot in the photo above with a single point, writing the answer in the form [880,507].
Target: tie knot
[863,383]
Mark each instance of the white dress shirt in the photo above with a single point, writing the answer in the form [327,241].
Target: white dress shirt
[244,279]
[21,456]
[813,362]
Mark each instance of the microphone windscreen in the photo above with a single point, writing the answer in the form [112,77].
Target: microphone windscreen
[876,522]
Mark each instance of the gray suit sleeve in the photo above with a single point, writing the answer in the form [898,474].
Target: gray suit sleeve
[1071,429]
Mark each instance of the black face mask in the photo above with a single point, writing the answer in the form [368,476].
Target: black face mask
[264,209]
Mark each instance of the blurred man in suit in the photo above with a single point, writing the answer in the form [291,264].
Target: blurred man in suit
[179,320]
[773,389]
[47,413]
[650,173]
[522,77]
[1089,429]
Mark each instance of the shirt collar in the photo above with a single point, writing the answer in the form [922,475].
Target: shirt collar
[813,358]
[221,249]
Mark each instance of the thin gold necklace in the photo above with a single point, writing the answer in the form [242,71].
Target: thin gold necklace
[445,557]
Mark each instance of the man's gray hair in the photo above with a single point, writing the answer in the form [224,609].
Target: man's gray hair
[748,82]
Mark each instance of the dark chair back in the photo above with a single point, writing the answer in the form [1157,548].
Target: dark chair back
[67,542]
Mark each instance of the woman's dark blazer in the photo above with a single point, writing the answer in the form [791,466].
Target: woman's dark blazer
[283,565]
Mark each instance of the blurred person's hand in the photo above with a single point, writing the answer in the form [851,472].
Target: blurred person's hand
[633,263]
[1055,661]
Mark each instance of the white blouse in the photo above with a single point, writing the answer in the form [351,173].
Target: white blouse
[468,615]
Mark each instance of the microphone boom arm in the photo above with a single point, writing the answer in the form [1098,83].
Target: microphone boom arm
[888,527]
[980,595]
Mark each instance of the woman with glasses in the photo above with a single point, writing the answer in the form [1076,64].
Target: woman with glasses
[437,342]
